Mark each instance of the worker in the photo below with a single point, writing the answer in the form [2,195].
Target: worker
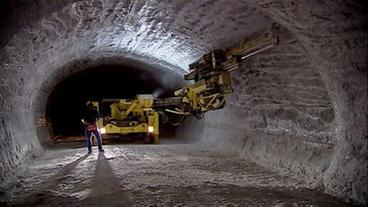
[90,128]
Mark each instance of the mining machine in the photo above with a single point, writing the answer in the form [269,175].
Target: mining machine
[209,86]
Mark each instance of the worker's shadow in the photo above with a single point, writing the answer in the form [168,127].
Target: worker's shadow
[40,194]
[69,167]
[104,182]
[106,188]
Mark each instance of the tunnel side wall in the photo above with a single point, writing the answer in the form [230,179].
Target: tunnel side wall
[18,140]
[279,115]
[297,124]
[334,35]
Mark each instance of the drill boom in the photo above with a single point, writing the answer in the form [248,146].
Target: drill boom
[211,75]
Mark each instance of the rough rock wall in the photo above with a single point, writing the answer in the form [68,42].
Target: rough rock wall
[50,34]
[290,119]
[334,35]
[306,138]
[17,141]
[280,114]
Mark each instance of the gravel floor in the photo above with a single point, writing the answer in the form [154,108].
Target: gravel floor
[155,175]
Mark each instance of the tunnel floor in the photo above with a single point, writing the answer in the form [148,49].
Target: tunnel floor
[155,175]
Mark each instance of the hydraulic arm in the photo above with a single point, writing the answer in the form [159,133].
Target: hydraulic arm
[211,76]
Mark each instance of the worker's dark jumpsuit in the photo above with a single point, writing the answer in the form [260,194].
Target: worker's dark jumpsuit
[91,115]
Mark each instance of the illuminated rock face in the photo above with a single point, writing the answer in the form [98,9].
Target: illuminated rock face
[300,108]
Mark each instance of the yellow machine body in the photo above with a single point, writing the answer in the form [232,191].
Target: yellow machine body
[131,116]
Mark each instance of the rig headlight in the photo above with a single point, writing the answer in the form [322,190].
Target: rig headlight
[150,129]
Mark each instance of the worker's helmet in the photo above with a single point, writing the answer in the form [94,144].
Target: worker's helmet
[88,103]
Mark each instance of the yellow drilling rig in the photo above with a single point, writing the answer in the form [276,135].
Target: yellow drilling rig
[127,116]
[211,85]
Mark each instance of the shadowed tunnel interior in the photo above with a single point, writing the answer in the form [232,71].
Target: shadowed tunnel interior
[297,117]
[67,101]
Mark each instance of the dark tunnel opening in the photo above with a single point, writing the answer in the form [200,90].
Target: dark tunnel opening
[67,101]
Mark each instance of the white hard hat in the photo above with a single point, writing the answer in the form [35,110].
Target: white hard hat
[88,103]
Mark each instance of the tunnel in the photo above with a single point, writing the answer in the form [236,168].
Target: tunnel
[67,101]
[293,131]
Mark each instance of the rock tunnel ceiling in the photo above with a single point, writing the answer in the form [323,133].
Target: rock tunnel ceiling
[301,107]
